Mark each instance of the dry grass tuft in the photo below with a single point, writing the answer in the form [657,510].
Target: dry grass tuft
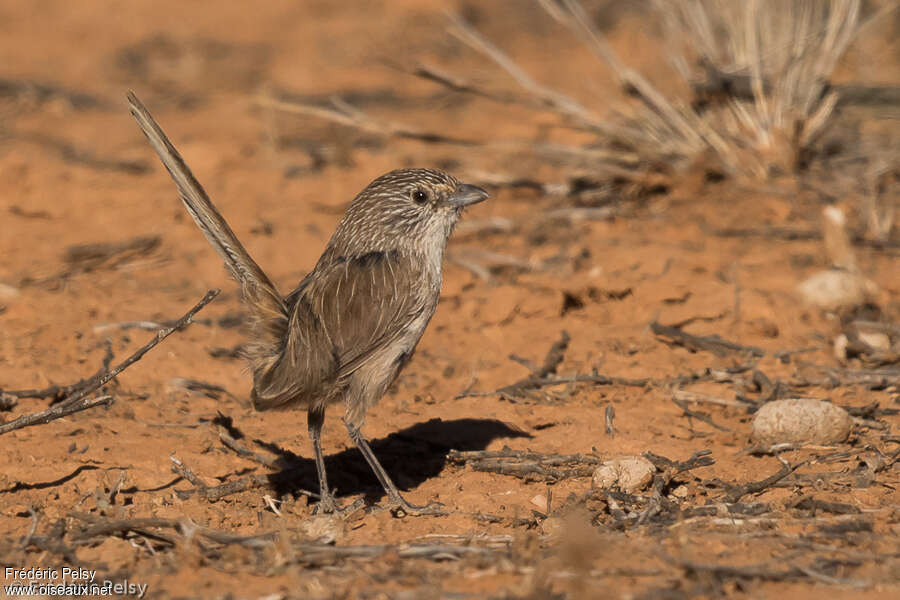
[760,70]
[782,54]
[760,100]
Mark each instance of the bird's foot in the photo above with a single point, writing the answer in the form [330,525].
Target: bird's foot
[401,508]
[327,505]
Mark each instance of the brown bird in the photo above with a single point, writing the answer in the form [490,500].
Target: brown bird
[352,323]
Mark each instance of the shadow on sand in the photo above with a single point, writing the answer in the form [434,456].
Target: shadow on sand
[410,456]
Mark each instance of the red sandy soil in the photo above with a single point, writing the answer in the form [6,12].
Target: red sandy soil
[199,66]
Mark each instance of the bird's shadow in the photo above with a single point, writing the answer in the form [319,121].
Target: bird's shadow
[410,456]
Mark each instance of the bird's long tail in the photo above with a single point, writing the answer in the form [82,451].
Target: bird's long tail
[269,315]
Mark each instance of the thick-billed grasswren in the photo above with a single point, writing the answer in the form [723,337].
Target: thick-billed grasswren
[352,323]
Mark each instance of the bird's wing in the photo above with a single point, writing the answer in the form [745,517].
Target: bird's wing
[366,303]
[341,315]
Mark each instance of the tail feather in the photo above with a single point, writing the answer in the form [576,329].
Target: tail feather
[268,310]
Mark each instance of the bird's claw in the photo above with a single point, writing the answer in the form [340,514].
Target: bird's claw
[327,505]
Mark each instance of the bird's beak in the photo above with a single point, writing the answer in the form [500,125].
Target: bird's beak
[466,194]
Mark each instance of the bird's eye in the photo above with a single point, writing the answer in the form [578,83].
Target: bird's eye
[420,196]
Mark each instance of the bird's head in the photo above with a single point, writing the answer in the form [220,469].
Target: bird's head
[412,209]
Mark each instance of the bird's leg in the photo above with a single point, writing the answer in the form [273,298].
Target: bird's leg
[395,501]
[315,417]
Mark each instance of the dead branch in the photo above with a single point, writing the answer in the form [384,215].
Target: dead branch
[232,444]
[709,343]
[542,376]
[56,412]
[700,398]
[101,527]
[735,493]
[834,377]
[106,527]
[611,162]
[555,355]
[317,554]
[521,388]
[815,506]
[126,325]
[698,513]
[97,528]
[79,401]
[559,103]
[53,544]
[248,482]
[666,471]
[573,16]
[528,465]
[692,414]
[465,86]
[540,382]
[213,493]
[344,114]
[539,375]
[700,458]
[179,468]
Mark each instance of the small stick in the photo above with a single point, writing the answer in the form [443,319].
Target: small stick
[179,468]
[551,99]
[555,355]
[709,343]
[536,383]
[688,396]
[692,414]
[270,502]
[35,519]
[217,492]
[125,325]
[232,444]
[528,465]
[250,482]
[610,414]
[667,470]
[344,114]
[735,493]
[101,527]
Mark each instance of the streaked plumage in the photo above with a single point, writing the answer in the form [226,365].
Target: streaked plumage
[350,326]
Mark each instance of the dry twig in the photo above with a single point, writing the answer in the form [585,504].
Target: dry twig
[528,465]
[710,343]
[79,400]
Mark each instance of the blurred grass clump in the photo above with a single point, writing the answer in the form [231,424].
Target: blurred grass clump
[759,105]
